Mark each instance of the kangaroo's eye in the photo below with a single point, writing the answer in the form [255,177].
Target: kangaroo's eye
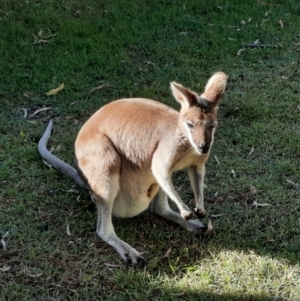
[190,124]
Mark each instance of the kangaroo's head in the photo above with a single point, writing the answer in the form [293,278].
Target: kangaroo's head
[198,114]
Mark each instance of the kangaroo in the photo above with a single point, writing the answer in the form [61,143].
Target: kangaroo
[127,151]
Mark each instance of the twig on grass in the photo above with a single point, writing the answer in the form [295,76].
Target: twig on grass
[242,196]
[293,183]
[216,158]
[258,44]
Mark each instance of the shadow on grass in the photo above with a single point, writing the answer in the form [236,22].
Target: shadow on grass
[158,232]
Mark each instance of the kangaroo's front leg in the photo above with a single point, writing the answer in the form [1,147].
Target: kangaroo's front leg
[165,182]
[196,175]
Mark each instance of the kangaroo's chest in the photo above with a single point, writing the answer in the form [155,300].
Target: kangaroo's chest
[188,159]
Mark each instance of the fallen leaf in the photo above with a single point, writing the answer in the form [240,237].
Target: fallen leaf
[280,23]
[73,190]
[5,268]
[149,63]
[3,244]
[35,276]
[99,87]
[240,51]
[290,274]
[3,241]
[178,294]
[26,94]
[78,12]
[55,91]
[40,41]
[271,240]
[209,228]
[284,77]
[216,158]
[68,231]
[5,234]
[252,191]
[42,36]
[49,165]
[216,215]
[243,22]
[251,151]
[57,149]
[262,204]
[25,113]
[293,183]
[232,173]
[167,253]
[257,44]
[40,110]
[110,265]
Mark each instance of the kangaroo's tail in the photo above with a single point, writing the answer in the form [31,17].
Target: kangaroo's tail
[56,162]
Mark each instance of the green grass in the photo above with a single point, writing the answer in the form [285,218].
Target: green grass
[138,47]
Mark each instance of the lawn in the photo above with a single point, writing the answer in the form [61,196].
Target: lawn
[104,50]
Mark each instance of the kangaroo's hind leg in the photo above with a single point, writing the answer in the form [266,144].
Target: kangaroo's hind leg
[101,168]
[107,233]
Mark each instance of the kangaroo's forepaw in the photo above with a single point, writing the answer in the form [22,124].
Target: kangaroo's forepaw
[200,213]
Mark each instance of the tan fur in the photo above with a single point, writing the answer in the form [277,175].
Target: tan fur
[127,151]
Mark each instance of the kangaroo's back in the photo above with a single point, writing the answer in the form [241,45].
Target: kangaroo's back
[134,126]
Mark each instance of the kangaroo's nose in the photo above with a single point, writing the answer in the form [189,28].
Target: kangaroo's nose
[203,147]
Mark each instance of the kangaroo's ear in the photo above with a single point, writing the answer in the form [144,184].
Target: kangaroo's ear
[215,88]
[183,95]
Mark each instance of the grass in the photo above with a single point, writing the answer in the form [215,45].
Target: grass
[138,47]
